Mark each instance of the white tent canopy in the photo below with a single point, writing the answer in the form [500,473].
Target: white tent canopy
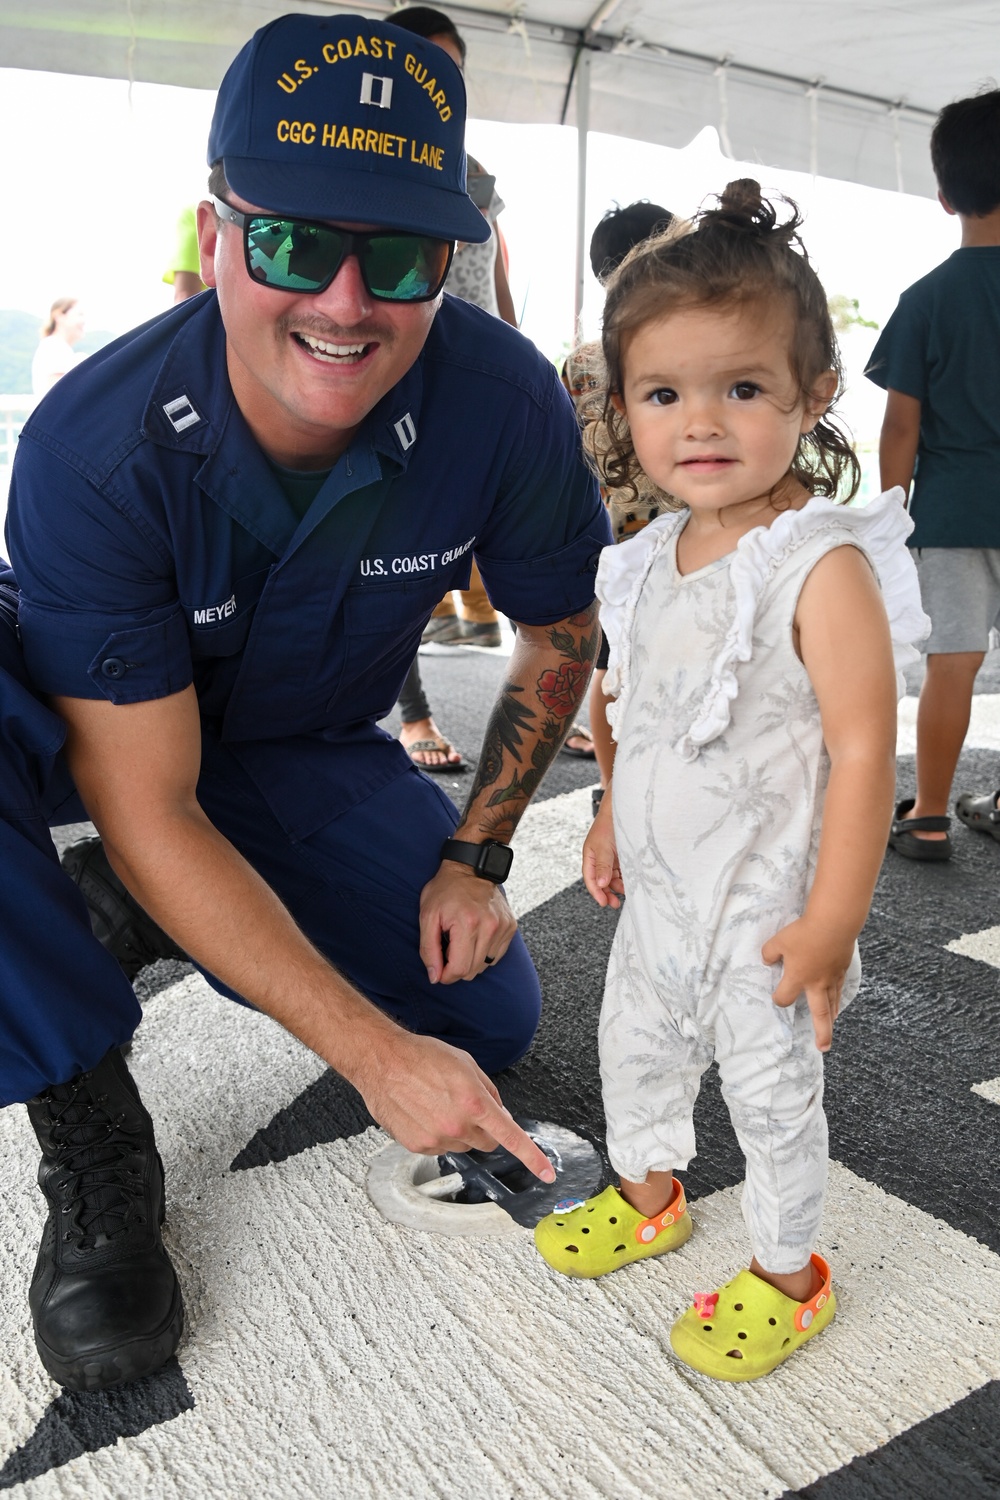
[845,88]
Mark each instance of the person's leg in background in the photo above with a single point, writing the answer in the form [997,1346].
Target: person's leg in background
[423,741]
[943,715]
[960,591]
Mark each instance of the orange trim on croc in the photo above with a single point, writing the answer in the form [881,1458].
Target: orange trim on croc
[647,1231]
[807,1310]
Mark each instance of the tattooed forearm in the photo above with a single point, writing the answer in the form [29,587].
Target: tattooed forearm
[548,678]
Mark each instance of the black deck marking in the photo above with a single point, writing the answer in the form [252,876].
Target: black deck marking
[77,1422]
[328,1110]
[951,1453]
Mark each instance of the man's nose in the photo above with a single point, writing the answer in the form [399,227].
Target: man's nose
[346,300]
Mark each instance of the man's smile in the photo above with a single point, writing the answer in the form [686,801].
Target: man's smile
[328,352]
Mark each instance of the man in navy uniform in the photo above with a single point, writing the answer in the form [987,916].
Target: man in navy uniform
[228,530]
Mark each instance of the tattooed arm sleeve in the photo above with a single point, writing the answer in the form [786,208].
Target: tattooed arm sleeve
[546,682]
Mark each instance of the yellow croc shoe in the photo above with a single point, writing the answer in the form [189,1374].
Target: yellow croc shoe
[593,1237]
[748,1328]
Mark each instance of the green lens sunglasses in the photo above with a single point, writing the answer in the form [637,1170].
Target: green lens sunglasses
[300,255]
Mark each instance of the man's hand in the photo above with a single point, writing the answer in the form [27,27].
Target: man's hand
[816,960]
[432,1098]
[464,920]
[601,872]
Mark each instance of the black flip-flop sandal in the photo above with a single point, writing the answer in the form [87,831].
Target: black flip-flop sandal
[903,835]
[579,732]
[441,767]
[981,814]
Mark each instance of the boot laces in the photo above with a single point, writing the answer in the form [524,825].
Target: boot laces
[99,1194]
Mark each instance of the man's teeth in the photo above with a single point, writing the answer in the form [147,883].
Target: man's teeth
[332,351]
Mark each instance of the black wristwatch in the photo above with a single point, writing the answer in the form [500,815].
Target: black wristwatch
[491,860]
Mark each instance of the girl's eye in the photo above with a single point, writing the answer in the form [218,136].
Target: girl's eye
[663,397]
[745,390]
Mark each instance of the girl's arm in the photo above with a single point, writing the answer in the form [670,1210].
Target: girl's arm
[601,872]
[843,640]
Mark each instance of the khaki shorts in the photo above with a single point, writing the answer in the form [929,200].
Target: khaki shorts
[960,590]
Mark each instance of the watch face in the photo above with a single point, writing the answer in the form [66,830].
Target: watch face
[496,861]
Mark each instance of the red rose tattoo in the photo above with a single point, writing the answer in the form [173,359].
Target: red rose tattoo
[561,690]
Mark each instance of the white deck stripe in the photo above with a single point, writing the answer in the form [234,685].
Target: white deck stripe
[984,726]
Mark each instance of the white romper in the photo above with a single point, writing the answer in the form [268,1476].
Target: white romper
[718,795]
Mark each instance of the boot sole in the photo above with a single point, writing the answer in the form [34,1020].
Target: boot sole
[100,1368]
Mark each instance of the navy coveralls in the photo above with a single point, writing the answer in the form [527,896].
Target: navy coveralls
[154,547]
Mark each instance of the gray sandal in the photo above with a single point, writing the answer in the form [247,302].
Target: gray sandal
[981,814]
[903,835]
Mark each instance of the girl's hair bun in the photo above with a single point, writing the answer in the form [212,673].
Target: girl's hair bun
[742,207]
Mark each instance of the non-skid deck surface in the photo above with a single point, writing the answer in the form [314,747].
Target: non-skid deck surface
[329,1354]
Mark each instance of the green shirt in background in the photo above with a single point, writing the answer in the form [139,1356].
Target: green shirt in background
[942,346]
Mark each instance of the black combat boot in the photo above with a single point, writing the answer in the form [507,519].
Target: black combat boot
[104,1297]
[118,921]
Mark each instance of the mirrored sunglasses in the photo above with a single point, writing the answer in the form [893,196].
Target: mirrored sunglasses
[299,255]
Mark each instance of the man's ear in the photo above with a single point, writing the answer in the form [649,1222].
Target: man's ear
[208,232]
[823,391]
[945,204]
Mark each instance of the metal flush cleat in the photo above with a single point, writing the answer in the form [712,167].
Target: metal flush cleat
[478,1193]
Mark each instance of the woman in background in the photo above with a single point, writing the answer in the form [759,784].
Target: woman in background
[54,355]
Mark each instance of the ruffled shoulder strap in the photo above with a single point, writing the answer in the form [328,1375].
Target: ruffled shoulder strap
[621,573]
[878,529]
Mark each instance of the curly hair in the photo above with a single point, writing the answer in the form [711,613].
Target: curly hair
[732,256]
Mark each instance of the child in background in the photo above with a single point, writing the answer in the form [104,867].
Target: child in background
[752,661]
[619,231]
[938,359]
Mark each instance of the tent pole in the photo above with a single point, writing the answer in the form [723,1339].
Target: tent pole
[582,131]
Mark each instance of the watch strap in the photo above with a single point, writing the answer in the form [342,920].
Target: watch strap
[479,857]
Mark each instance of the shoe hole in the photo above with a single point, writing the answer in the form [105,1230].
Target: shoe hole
[733,1354]
[612,1221]
[706,1328]
[785,1344]
[773,1322]
[737,1306]
[573,1249]
[590,1210]
[741,1335]
[560,1223]
[618,1248]
[584,1231]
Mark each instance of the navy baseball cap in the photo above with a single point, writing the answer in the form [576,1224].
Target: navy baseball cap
[342,118]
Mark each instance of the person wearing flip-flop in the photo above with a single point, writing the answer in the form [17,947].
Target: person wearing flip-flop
[938,360]
[478,275]
[753,661]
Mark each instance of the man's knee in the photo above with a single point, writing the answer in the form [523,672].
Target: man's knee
[511,1013]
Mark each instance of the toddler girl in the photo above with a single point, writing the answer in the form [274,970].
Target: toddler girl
[752,664]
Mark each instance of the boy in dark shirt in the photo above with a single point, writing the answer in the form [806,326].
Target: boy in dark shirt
[938,359]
